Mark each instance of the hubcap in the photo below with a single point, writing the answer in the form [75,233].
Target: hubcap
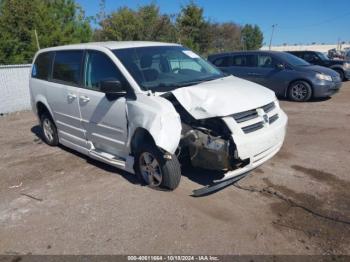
[48,129]
[150,169]
[299,91]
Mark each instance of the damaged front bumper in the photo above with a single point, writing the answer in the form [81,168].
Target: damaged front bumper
[263,157]
[256,147]
[250,149]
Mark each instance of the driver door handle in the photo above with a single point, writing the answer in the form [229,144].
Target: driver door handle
[84,98]
[71,96]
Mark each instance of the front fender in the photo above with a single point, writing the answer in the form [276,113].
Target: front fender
[158,117]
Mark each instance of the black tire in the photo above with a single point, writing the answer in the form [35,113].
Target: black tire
[300,91]
[50,137]
[341,74]
[169,169]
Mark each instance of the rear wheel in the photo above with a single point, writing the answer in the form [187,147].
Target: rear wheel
[49,129]
[300,91]
[156,171]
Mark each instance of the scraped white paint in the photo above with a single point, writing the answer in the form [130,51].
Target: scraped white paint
[158,116]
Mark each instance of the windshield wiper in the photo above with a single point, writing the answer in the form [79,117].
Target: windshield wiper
[192,83]
[164,85]
[177,85]
[189,83]
[161,86]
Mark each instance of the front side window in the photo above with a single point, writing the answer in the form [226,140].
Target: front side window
[266,61]
[67,66]
[164,68]
[292,59]
[99,68]
[322,56]
[42,66]
[311,57]
[299,54]
[224,61]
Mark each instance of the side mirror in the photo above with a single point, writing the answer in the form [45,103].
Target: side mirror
[280,66]
[112,87]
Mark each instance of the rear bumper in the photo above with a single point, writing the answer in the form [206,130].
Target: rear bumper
[259,146]
[327,89]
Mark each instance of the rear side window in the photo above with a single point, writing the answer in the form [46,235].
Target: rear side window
[224,61]
[67,66]
[42,66]
[244,60]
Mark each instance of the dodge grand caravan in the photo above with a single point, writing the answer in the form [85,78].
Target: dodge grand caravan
[141,106]
[286,74]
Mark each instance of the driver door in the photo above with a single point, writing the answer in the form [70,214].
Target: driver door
[269,75]
[104,119]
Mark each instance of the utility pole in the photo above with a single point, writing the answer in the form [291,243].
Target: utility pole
[273,29]
[37,39]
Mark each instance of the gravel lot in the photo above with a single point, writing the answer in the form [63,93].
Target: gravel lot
[56,201]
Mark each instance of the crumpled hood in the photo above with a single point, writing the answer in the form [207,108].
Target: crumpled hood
[222,97]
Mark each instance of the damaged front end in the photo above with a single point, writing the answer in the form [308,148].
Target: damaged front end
[207,143]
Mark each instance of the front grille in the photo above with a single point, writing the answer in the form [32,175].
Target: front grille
[253,120]
[273,118]
[269,107]
[253,127]
[245,116]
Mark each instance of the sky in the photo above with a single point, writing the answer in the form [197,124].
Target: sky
[298,21]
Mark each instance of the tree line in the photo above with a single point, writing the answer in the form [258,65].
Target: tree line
[26,25]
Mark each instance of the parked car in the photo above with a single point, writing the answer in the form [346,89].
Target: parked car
[140,105]
[347,56]
[317,58]
[335,54]
[286,74]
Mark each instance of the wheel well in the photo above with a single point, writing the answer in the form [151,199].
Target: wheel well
[296,80]
[338,69]
[41,108]
[140,136]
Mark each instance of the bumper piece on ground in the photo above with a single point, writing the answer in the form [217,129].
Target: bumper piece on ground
[215,187]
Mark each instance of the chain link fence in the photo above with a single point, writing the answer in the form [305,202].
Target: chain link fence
[14,88]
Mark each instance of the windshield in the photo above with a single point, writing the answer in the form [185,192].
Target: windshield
[293,60]
[323,56]
[163,68]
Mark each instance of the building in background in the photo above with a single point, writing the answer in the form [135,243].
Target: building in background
[313,47]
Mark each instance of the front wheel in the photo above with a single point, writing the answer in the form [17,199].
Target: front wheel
[300,91]
[156,171]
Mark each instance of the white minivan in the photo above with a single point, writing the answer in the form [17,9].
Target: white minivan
[143,106]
